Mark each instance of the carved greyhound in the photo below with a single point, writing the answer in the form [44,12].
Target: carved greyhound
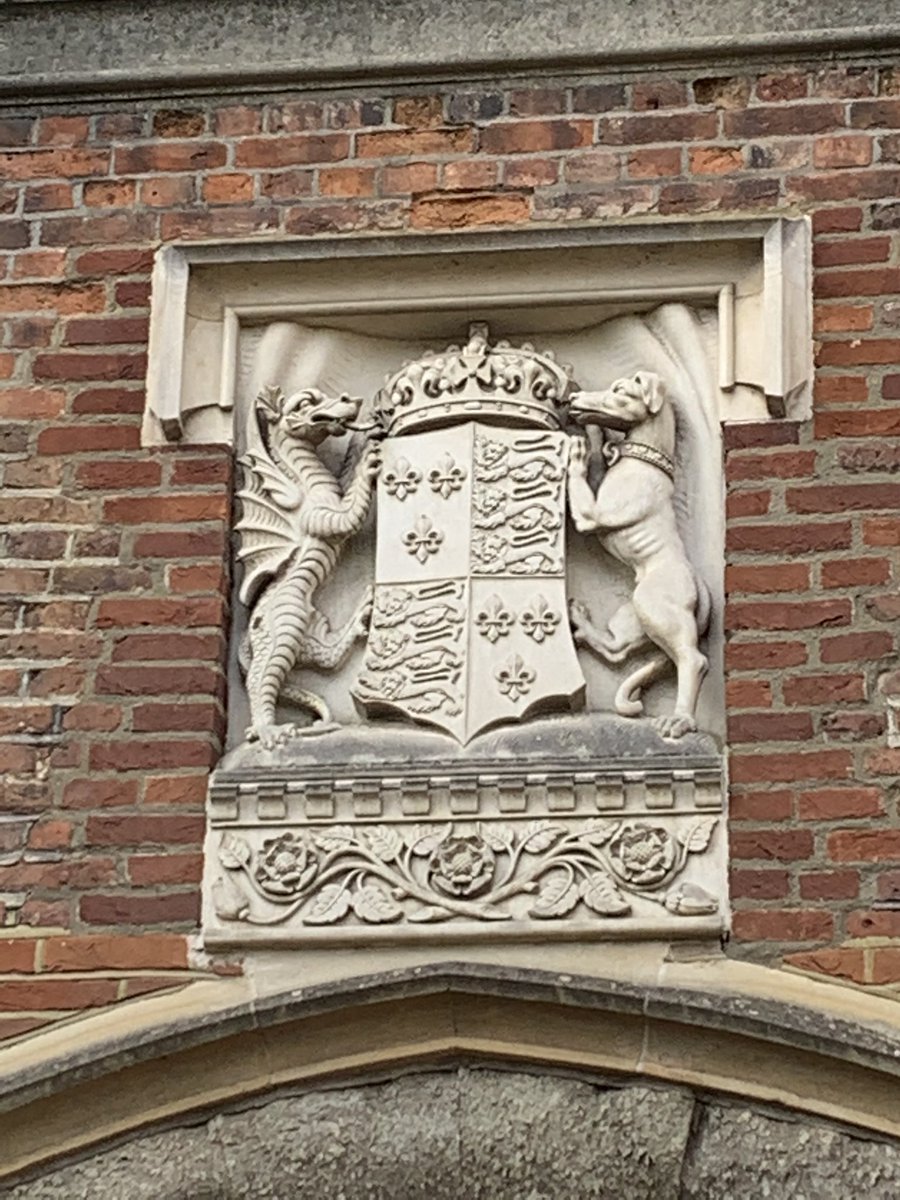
[633,515]
[296,517]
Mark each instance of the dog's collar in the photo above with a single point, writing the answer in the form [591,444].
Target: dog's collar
[613,451]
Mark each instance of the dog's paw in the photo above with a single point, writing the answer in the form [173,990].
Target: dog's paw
[578,457]
[674,726]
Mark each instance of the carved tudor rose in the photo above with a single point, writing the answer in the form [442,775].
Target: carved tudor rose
[468,775]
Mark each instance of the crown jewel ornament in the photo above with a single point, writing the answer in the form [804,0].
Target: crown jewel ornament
[509,385]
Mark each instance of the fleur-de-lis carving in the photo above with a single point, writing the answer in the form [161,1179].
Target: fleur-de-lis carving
[515,677]
[539,620]
[494,620]
[402,479]
[423,539]
[446,477]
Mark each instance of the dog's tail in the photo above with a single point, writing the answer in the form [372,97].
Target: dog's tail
[627,702]
[704,607]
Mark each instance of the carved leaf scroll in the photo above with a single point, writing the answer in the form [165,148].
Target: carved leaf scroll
[383,873]
[558,896]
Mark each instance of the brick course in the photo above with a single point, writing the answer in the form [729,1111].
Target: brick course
[114,596]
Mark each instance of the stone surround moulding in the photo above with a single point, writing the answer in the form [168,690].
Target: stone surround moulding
[754,272]
[458,570]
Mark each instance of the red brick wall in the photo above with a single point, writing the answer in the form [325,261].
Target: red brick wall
[110,720]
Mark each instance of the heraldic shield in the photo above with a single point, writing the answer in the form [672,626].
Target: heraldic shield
[469,626]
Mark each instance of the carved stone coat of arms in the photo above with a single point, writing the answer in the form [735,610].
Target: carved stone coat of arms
[478,780]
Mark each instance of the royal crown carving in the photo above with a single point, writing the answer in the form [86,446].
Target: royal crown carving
[478,381]
[451,733]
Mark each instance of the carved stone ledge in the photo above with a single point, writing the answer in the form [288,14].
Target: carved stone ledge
[496,790]
[496,845]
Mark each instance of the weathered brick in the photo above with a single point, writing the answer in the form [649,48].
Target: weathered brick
[858,423]
[724,91]
[790,539]
[59,994]
[17,954]
[186,611]
[782,121]
[843,318]
[156,680]
[466,210]
[148,951]
[842,150]
[165,510]
[791,767]
[299,150]
[837,220]
[100,793]
[141,909]
[148,870]
[849,251]
[169,156]
[167,191]
[408,178]
[151,755]
[109,193]
[769,727]
[811,614]
[855,572]
[237,120]
[173,646]
[418,112]
[54,163]
[761,656]
[174,122]
[347,181]
[664,127]
[144,830]
[79,366]
[178,791]
[759,884]
[62,298]
[824,689]
[470,174]
[864,845]
[648,163]
[838,963]
[782,925]
[534,137]
[766,578]
[849,647]
[829,885]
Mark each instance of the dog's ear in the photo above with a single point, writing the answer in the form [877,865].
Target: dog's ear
[653,390]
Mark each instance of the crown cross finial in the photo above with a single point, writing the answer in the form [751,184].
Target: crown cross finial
[479,332]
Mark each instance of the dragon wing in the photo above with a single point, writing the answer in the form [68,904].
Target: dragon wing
[268,532]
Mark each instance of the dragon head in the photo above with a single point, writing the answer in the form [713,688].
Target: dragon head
[309,414]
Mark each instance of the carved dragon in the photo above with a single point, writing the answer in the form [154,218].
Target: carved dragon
[296,515]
